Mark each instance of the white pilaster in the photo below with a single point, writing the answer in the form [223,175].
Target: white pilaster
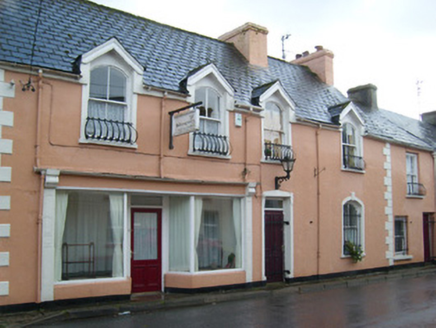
[389,225]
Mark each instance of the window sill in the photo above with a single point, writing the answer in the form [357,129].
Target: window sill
[353,170]
[270,161]
[403,257]
[108,143]
[88,280]
[415,196]
[200,154]
[218,271]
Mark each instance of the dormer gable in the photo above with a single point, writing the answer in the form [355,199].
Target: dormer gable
[274,91]
[112,46]
[351,115]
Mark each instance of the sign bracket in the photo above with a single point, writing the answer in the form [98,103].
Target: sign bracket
[172,116]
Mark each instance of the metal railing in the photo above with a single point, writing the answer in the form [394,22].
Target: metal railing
[353,162]
[276,152]
[108,130]
[211,143]
[416,189]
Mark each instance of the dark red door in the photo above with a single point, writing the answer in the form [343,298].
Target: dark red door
[429,235]
[146,264]
[274,246]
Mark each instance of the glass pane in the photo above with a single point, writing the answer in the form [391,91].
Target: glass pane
[96,109]
[88,244]
[213,109]
[209,126]
[145,236]
[273,203]
[273,117]
[218,237]
[273,137]
[117,89]
[98,88]
[200,95]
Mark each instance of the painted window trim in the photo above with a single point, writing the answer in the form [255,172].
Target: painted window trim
[277,95]
[210,77]
[112,54]
[354,199]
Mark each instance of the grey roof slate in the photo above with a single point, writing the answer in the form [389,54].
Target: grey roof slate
[70,28]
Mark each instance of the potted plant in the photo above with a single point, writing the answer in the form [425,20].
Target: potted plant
[355,251]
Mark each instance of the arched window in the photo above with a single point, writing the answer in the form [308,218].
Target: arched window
[210,116]
[273,124]
[107,94]
[352,224]
[351,153]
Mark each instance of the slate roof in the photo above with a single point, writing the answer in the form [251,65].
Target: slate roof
[70,28]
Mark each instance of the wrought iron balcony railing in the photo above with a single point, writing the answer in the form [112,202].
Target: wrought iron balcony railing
[276,152]
[108,130]
[211,143]
[416,189]
[353,162]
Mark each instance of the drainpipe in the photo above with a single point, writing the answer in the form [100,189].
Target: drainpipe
[318,203]
[162,121]
[41,188]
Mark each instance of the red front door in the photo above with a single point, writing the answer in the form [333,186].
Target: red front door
[146,261]
[274,246]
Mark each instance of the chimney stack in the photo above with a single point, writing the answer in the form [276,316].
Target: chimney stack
[365,95]
[251,40]
[319,62]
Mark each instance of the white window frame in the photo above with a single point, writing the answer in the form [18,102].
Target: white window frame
[361,224]
[350,116]
[210,77]
[277,95]
[404,251]
[111,54]
[411,172]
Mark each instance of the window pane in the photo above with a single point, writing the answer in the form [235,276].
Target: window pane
[200,95]
[145,236]
[213,109]
[179,234]
[273,117]
[209,126]
[351,223]
[117,90]
[88,240]
[219,234]
[273,203]
[99,79]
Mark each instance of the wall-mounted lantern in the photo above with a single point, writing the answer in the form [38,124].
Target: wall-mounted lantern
[288,165]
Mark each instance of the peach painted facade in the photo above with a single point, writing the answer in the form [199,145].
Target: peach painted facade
[45,136]
[93,205]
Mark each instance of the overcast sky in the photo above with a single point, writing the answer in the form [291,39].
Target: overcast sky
[389,43]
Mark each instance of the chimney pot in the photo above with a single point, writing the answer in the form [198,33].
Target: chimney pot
[298,56]
[319,48]
[306,53]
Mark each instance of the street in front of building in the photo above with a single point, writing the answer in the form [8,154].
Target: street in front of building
[407,302]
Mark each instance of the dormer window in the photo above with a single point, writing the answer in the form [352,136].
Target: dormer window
[275,145]
[277,116]
[351,151]
[107,94]
[209,86]
[108,101]
[209,111]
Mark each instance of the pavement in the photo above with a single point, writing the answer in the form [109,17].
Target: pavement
[159,301]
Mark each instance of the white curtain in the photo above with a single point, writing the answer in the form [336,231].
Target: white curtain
[61,215]
[116,214]
[179,234]
[197,221]
[237,224]
[145,239]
